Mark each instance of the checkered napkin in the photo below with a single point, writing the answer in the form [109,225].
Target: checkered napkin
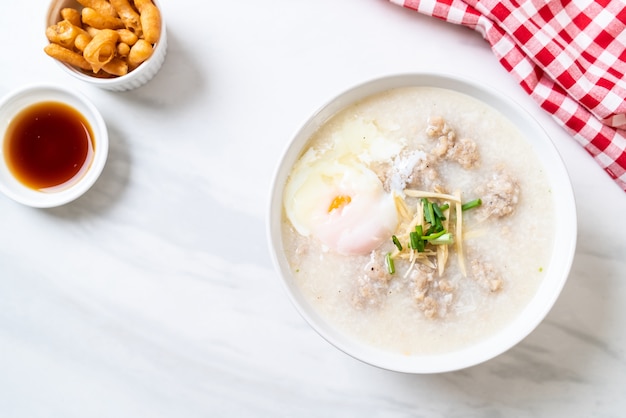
[569,55]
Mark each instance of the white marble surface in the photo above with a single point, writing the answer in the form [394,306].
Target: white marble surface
[154,296]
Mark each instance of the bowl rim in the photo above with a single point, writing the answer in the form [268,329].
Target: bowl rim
[37,93]
[547,293]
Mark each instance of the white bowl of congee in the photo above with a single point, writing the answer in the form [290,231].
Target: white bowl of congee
[422,223]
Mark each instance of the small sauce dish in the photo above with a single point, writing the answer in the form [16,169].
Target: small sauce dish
[53,145]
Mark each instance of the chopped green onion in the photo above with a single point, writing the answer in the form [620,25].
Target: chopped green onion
[396,242]
[444,207]
[431,214]
[438,225]
[446,239]
[471,204]
[420,242]
[435,235]
[417,242]
[438,212]
[433,229]
[414,240]
[391,268]
[426,204]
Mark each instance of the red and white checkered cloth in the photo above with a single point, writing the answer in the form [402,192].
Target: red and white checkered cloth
[569,55]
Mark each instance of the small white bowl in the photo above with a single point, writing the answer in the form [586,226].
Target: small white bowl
[11,105]
[135,78]
[540,304]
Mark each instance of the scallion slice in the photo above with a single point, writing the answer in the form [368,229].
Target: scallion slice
[446,239]
[471,204]
[426,204]
[438,225]
[434,235]
[431,214]
[439,212]
[420,239]
[414,240]
[391,268]
[396,242]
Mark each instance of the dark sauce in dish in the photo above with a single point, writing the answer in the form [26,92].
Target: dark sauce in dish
[47,145]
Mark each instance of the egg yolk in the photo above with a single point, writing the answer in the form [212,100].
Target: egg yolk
[339,202]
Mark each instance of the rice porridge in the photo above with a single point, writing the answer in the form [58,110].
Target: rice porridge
[418,220]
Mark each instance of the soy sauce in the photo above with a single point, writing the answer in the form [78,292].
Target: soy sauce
[47,145]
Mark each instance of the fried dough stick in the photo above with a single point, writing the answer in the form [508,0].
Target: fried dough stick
[101,6]
[129,16]
[101,49]
[62,54]
[150,18]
